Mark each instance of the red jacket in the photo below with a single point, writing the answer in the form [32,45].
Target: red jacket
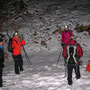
[16,44]
[79,49]
[66,36]
[89,32]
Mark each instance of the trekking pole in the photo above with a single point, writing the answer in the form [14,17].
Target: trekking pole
[77,69]
[59,57]
[66,70]
[28,60]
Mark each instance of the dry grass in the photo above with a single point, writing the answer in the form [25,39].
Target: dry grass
[35,33]
[43,43]
[81,28]
[36,42]
[59,30]
[49,38]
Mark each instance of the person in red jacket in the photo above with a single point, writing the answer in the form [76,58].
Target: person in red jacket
[65,36]
[89,31]
[16,45]
[72,53]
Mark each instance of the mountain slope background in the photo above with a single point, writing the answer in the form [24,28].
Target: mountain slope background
[41,23]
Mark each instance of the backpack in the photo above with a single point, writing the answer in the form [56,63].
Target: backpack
[71,54]
[10,49]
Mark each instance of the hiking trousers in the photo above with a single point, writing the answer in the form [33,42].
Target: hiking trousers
[18,63]
[70,70]
[1,71]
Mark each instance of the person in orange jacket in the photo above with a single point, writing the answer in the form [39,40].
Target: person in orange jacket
[88,66]
[72,53]
[16,45]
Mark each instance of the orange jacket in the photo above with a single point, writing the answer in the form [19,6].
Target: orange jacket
[88,67]
[16,44]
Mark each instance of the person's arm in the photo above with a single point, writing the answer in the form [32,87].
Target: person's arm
[62,37]
[79,51]
[23,42]
[71,33]
[64,53]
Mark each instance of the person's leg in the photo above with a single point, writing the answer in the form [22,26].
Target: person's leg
[20,63]
[17,67]
[70,69]
[1,71]
[77,72]
[16,64]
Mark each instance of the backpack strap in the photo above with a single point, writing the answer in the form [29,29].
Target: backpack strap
[16,41]
[70,32]
[75,51]
[67,31]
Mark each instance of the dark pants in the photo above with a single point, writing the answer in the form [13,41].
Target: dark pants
[70,69]
[1,71]
[18,63]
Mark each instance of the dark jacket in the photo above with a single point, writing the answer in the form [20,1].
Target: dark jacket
[1,58]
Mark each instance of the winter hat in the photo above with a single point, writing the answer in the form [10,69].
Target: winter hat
[66,27]
[1,39]
[16,33]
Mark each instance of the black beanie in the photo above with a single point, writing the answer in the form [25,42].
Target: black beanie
[1,39]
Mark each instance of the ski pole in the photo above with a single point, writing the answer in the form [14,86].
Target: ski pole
[59,56]
[66,70]
[28,60]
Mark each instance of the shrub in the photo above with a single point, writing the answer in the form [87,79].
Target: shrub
[59,30]
[81,28]
[43,43]
[35,33]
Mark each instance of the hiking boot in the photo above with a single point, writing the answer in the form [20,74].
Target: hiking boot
[17,73]
[1,85]
[70,82]
[21,69]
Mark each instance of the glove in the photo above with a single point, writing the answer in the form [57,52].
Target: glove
[77,62]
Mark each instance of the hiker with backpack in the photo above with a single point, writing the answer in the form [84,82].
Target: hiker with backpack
[72,53]
[65,36]
[16,45]
[1,61]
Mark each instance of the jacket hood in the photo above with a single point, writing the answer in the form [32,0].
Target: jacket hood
[72,42]
[16,39]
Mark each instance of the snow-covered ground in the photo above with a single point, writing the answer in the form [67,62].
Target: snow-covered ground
[44,73]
